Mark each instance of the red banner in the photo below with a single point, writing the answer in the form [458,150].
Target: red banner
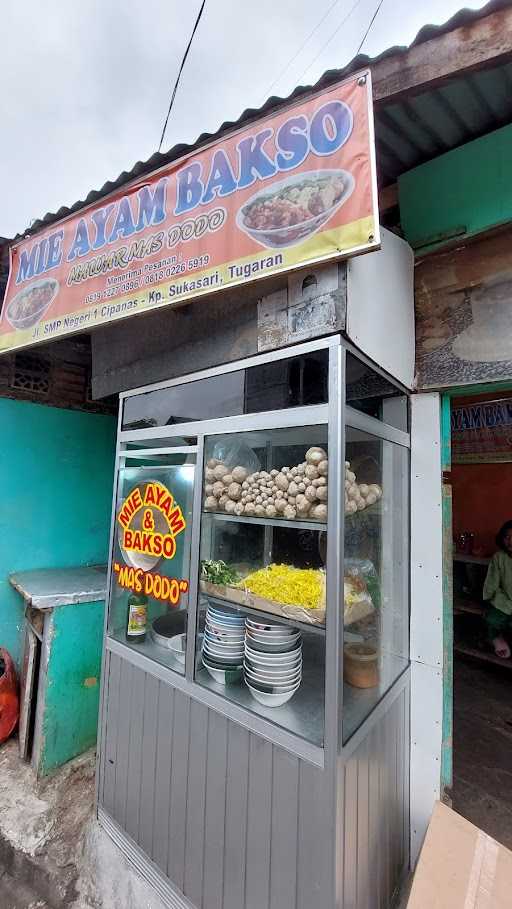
[289,190]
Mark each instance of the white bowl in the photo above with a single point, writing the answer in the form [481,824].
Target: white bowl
[224,654]
[272,687]
[261,671]
[272,700]
[225,641]
[224,676]
[223,657]
[286,682]
[224,628]
[215,631]
[262,628]
[224,648]
[272,659]
[223,616]
[279,237]
[264,672]
[256,665]
[284,644]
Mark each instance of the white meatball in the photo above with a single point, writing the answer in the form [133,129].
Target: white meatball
[282,482]
[239,474]
[315,455]
[234,491]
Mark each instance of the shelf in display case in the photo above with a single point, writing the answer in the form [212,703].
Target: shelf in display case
[267,522]
[264,616]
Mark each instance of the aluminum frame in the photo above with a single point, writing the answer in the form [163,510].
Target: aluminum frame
[335,414]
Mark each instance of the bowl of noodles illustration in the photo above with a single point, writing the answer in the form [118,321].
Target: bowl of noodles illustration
[30,304]
[289,211]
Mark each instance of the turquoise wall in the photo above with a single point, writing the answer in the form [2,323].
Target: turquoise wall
[56,474]
[458,194]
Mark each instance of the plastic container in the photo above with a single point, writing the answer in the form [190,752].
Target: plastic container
[361,665]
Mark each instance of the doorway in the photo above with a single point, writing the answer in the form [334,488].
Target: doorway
[480,478]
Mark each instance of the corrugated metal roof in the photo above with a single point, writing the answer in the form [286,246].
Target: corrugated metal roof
[407,133]
[427,124]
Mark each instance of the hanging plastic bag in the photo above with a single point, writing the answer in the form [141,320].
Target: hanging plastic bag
[9,701]
[235,453]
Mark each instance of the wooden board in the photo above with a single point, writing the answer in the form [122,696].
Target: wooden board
[238,597]
[28,692]
[485,41]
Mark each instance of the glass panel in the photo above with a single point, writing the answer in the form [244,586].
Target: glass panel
[151,559]
[261,632]
[292,382]
[376,588]
[373,394]
[204,399]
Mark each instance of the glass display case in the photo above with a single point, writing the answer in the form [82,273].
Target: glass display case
[260,545]
[261,634]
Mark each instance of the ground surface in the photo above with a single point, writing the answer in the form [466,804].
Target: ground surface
[53,854]
[482,747]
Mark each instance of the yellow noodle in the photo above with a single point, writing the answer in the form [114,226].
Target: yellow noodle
[285,584]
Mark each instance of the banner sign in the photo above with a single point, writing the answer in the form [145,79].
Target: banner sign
[289,190]
[482,432]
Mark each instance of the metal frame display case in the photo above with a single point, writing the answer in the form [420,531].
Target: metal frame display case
[223,799]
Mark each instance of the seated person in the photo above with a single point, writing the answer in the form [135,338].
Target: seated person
[498,591]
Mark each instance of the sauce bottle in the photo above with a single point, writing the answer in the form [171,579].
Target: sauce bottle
[136,618]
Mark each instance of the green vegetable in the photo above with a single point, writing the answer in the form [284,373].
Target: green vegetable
[217,572]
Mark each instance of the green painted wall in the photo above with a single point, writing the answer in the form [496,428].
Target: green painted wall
[459,194]
[73,684]
[56,474]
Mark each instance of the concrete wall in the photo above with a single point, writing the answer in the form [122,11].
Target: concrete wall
[56,479]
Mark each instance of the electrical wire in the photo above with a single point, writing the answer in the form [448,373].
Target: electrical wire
[301,48]
[369,27]
[335,32]
[175,89]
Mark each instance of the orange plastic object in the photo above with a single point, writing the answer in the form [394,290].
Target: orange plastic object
[9,700]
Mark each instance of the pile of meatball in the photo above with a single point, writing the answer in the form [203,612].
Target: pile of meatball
[298,492]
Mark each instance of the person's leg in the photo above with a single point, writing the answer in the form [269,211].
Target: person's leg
[497,623]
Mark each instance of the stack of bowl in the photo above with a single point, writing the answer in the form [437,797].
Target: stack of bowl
[223,645]
[272,662]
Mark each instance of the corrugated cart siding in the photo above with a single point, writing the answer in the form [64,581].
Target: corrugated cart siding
[375,783]
[234,821]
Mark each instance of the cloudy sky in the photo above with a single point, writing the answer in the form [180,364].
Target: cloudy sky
[85,86]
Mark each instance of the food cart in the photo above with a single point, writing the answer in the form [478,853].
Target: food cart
[254,747]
